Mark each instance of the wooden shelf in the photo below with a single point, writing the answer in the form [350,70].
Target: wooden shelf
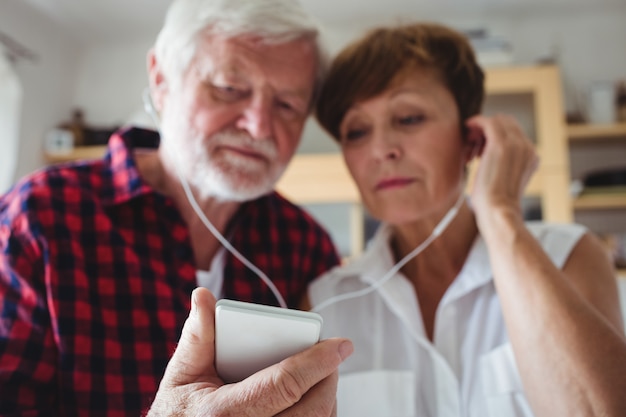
[310,178]
[318,178]
[600,201]
[608,198]
[324,178]
[83,152]
[589,132]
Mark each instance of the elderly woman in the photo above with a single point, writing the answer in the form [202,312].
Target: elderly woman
[458,307]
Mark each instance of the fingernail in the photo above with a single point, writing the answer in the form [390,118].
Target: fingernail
[345,350]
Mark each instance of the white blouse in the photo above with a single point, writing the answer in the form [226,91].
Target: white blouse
[469,368]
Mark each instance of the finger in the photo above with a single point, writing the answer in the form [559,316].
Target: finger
[491,146]
[319,401]
[280,386]
[488,125]
[193,360]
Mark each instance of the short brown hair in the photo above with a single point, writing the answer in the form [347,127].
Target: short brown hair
[371,64]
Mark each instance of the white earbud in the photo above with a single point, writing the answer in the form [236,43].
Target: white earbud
[148,106]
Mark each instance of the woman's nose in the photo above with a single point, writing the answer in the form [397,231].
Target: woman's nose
[387,145]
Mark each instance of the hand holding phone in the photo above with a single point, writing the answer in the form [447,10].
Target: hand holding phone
[250,337]
[191,383]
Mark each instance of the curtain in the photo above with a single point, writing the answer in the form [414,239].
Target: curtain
[10,108]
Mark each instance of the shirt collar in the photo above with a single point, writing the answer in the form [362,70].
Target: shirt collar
[378,260]
[476,272]
[126,182]
[375,262]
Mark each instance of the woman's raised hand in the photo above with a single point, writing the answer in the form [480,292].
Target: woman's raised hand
[508,160]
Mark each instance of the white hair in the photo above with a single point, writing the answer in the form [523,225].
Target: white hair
[274,21]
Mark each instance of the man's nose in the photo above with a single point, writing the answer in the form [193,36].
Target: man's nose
[256,118]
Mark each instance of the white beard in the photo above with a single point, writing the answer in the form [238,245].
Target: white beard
[225,176]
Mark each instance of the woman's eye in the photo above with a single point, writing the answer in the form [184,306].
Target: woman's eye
[353,134]
[411,119]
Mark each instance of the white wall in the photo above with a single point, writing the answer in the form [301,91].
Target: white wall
[591,47]
[48,84]
[111,79]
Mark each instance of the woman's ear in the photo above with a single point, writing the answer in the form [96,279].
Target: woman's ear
[157,81]
[474,142]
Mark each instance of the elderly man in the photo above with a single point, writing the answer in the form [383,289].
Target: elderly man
[99,260]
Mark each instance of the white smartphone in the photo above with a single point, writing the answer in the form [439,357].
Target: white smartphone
[250,337]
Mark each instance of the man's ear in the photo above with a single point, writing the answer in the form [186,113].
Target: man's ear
[157,81]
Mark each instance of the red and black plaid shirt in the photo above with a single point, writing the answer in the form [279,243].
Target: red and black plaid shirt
[96,272]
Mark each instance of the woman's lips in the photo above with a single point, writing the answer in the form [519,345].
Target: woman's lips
[390,183]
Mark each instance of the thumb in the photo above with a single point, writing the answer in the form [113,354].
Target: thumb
[193,360]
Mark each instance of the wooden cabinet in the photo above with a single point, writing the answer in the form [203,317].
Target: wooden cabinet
[599,135]
[603,202]
[81,152]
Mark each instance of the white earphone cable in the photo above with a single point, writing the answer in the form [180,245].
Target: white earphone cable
[437,231]
[194,204]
